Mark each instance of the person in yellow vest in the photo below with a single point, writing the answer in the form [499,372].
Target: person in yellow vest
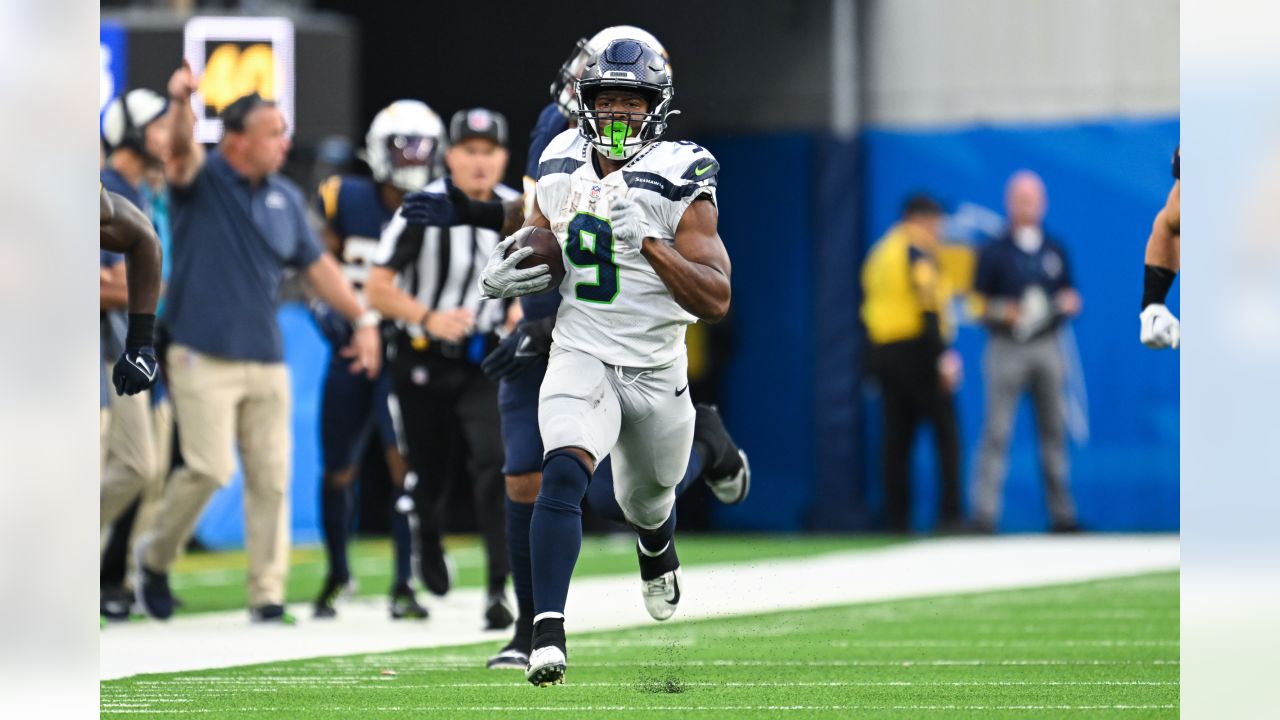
[904,308]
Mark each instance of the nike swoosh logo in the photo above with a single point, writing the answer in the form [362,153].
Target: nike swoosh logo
[681,390]
[675,600]
[522,350]
[149,372]
[703,170]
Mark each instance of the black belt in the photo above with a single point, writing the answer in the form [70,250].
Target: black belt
[472,348]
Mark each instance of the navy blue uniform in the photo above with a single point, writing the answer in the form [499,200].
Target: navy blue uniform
[353,405]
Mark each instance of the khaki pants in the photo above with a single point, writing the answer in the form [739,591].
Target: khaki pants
[129,464]
[220,403]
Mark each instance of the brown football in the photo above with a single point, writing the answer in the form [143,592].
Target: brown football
[546,251]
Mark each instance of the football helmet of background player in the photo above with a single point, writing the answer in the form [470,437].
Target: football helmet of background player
[405,145]
[635,67]
[563,92]
[124,124]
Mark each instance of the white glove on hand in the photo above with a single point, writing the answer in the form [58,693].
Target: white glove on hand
[628,225]
[1159,328]
[502,279]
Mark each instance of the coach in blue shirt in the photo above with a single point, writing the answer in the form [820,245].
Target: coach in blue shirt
[1025,288]
[236,225]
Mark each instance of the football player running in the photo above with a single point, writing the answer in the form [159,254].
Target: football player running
[637,221]
[403,148]
[1159,326]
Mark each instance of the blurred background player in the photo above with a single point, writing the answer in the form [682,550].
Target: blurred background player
[1027,293]
[135,143]
[447,406]
[1163,259]
[520,363]
[237,224]
[403,148]
[905,310]
[588,406]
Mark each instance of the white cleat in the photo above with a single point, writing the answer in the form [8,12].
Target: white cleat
[733,489]
[662,594]
[546,666]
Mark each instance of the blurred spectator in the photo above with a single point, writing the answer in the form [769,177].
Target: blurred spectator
[236,224]
[447,328]
[905,311]
[1025,290]
[136,143]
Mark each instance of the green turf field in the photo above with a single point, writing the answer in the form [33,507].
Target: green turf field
[1090,650]
[215,581]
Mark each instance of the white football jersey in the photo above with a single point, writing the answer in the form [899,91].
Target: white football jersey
[615,307]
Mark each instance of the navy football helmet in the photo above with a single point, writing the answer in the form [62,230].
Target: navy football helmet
[625,65]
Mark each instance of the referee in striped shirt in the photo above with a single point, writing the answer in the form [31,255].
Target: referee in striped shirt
[425,280]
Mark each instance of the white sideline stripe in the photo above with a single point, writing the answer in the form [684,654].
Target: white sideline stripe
[924,568]
[676,708]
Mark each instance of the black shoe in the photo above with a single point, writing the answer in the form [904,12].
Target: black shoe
[437,575]
[326,603]
[1066,527]
[151,591]
[548,661]
[515,654]
[114,603]
[405,606]
[497,616]
[660,581]
[725,468]
[273,614]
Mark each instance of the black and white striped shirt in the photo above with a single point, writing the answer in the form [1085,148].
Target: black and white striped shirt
[440,266]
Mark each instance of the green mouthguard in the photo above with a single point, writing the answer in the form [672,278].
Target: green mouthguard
[617,132]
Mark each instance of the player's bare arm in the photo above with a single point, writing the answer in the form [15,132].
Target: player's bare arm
[536,218]
[1164,243]
[124,229]
[186,156]
[696,266]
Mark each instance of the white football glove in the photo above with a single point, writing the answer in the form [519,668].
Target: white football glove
[502,279]
[628,224]
[1159,327]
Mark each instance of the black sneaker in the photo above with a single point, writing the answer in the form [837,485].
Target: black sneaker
[660,581]
[515,654]
[437,573]
[497,616]
[725,467]
[151,589]
[272,614]
[405,605]
[114,603]
[548,661]
[326,603]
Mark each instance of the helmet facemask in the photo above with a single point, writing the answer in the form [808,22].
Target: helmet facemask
[413,160]
[631,66]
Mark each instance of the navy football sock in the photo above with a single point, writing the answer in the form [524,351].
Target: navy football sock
[402,537]
[555,532]
[335,510]
[519,516]
[655,542]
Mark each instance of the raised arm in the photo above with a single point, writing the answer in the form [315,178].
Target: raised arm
[696,266]
[186,156]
